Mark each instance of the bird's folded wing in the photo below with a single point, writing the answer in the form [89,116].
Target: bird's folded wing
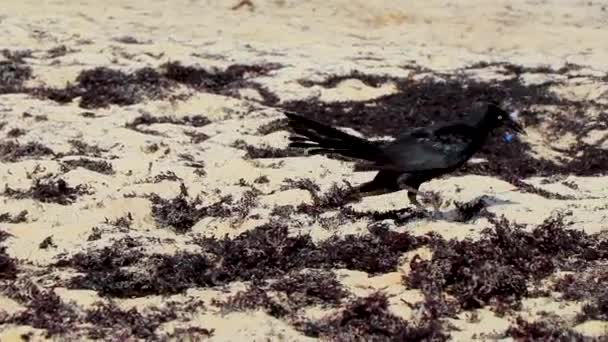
[427,149]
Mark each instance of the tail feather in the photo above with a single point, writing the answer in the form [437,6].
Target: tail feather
[323,139]
[304,144]
[326,150]
[297,121]
[297,138]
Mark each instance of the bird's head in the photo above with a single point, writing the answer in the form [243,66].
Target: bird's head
[498,117]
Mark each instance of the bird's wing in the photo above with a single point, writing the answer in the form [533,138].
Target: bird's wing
[424,149]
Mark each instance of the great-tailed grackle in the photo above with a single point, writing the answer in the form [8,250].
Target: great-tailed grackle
[416,156]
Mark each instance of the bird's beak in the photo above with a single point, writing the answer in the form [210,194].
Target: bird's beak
[513,123]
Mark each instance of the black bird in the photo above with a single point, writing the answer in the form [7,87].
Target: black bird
[416,156]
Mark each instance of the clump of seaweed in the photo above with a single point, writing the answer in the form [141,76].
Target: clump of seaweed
[273,126]
[80,147]
[50,191]
[266,252]
[399,216]
[111,321]
[265,151]
[16,56]
[102,86]
[15,133]
[588,285]
[146,120]
[497,267]
[337,197]
[214,80]
[333,80]
[262,180]
[8,266]
[19,218]
[255,298]
[178,212]
[378,252]
[44,310]
[302,183]
[182,213]
[13,74]
[99,166]
[472,209]
[58,51]
[47,243]
[369,318]
[11,151]
[283,211]
[313,287]
[192,333]
[196,137]
[523,330]
[300,289]
[124,222]
[597,308]
[161,177]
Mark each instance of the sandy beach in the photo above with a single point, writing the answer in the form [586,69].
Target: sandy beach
[148,192]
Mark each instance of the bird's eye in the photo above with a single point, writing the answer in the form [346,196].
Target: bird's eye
[500,117]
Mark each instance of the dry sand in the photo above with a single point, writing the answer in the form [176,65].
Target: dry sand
[312,40]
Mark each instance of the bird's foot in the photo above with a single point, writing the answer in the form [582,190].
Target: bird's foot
[429,214]
[435,200]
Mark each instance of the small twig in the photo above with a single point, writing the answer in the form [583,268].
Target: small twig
[243,3]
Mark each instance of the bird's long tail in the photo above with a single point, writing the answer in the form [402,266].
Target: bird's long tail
[319,138]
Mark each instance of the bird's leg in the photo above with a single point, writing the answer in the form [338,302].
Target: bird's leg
[411,195]
[435,200]
[432,198]
[406,182]
[371,188]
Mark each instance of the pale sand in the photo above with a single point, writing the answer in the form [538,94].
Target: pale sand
[314,39]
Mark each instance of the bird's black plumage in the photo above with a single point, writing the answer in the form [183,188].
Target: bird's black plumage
[414,157]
